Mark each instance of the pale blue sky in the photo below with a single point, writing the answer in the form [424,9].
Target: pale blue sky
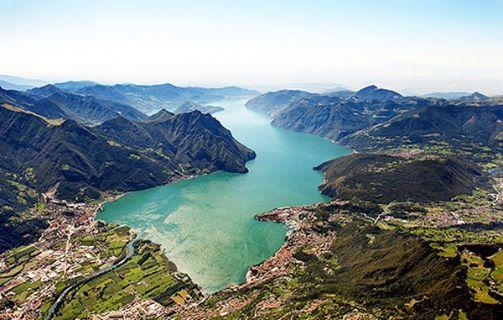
[407,45]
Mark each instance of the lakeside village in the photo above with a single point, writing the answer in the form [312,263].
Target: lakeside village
[74,247]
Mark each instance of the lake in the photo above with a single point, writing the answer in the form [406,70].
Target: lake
[206,224]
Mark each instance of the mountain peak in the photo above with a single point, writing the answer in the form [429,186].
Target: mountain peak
[47,87]
[44,91]
[372,92]
[478,95]
[368,88]
[474,97]
[75,85]
[160,116]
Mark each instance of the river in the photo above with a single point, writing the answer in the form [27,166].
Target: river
[206,224]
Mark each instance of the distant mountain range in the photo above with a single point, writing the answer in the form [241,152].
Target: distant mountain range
[475,97]
[91,104]
[11,86]
[374,117]
[192,106]
[374,93]
[340,93]
[52,102]
[334,117]
[75,85]
[446,95]
[152,98]
[20,82]
[145,98]
[273,102]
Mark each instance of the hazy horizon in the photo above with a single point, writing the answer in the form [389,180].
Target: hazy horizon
[408,46]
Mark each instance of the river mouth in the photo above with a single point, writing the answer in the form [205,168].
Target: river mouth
[206,224]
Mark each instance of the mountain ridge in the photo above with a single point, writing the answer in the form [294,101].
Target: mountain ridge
[190,106]
[53,101]
[80,162]
[151,98]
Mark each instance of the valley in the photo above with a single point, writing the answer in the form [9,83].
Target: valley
[406,226]
[251,160]
[206,224]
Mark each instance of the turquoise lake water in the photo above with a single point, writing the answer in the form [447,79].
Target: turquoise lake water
[206,224]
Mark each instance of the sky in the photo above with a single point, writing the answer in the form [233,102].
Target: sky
[409,45]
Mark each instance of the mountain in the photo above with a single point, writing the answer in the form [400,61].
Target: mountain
[446,95]
[325,116]
[22,81]
[15,97]
[16,231]
[120,155]
[335,118]
[85,109]
[192,106]
[340,93]
[227,92]
[43,92]
[195,141]
[332,115]
[26,102]
[75,85]
[90,110]
[373,118]
[11,86]
[384,178]
[160,116]
[452,124]
[273,102]
[475,97]
[151,98]
[52,102]
[374,93]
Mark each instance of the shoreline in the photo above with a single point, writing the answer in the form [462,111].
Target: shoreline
[287,221]
[111,198]
[290,216]
[299,234]
[115,197]
[276,215]
[273,215]
[58,255]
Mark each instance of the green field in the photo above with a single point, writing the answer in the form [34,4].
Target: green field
[148,274]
